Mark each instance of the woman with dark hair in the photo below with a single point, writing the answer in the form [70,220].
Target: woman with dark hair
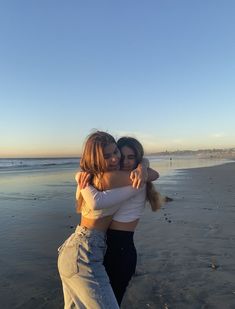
[121,257]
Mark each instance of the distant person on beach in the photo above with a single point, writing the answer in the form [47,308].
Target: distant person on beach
[121,257]
[80,262]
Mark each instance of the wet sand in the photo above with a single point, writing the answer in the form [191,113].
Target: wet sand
[185,251]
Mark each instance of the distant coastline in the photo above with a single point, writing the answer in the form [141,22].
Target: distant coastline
[205,153]
[226,153]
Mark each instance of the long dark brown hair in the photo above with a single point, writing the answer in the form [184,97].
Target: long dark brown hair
[152,196]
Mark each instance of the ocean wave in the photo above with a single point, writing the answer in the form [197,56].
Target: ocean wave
[25,164]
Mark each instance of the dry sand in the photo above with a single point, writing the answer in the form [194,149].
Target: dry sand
[185,251]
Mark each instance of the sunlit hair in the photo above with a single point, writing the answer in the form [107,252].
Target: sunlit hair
[152,196]
[92,160]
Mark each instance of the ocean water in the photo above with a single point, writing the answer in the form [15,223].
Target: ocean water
[170,164]
[37,164]
[164,164]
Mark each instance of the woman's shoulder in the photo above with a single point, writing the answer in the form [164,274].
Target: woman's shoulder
[114,179]
[116,173]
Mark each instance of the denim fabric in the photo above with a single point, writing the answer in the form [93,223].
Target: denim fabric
[84,279]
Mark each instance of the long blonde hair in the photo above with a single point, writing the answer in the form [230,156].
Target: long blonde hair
[152,196]
[92,160]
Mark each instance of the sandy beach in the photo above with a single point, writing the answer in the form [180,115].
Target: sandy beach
[185,251]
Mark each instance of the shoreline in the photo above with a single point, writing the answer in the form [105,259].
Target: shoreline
[176,246]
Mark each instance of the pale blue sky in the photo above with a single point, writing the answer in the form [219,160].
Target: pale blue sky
[162,71]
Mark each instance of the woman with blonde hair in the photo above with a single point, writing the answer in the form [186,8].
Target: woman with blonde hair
[80,261]
[121,257]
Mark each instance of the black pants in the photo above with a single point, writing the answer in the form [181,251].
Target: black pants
[120,260]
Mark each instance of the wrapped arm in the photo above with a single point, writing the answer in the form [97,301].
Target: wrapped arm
[152,174]
[143,173]
[145,167]
[103,199]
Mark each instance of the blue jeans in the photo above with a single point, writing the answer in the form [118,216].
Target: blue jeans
[84,279]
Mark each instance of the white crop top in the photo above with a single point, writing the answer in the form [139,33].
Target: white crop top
[132,208]
[126,204]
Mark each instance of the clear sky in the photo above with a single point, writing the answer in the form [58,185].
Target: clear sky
[159,70]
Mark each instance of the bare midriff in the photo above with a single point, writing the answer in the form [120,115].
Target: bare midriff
[124,226]
[100,224]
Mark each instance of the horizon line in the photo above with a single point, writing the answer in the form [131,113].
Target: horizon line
[227,149]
